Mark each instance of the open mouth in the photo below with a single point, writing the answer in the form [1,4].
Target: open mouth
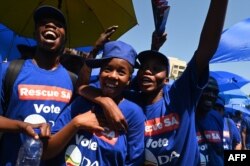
[110,86]
[50,36]
[146,80]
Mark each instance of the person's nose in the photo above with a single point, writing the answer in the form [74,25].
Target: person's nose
[147,71]
[113,75]
[51,25]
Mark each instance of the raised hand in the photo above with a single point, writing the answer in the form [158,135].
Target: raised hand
[158,41]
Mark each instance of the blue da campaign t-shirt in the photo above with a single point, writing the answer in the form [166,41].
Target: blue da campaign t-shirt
[231,134]
[170,136]
[38,96]
[210,138]
[103,148]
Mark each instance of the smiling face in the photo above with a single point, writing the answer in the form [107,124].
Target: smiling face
[152,75]
[50,35]
[114,77]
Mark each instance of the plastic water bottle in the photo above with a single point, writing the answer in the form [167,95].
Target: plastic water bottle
[30,152]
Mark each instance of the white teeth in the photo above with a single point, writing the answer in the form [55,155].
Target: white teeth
[50,33]
[110,85]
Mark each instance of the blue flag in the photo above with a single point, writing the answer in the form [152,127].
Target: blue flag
[160,13]
[234,45]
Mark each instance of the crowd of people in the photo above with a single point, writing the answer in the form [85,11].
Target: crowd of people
[117,119]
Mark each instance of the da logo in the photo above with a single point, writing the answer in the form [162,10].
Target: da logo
[73,156]
[108,136]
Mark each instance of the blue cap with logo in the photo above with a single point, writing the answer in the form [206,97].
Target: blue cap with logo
[114,49]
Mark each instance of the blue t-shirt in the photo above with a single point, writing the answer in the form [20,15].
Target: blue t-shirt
[0,82]
[38,96]
[210,138]
[170,137]
[246,125]
[231,134]
[103,148]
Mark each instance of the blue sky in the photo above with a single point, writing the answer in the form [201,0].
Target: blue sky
[185,21]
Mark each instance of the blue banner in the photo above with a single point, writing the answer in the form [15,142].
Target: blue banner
[234,45]
[160,13]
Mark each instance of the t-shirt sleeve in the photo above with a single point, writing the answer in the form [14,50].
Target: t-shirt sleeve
[186,90]
[235,133]
[79,105]
[135,136]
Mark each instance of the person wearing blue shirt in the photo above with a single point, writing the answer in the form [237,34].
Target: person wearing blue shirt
[209,126]
[245,126]
[43,87]
[170,136]
[88,137]
[231,135]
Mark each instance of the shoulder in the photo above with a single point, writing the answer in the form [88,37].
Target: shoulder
[130,105]
[131,110]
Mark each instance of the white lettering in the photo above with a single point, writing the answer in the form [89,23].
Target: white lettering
[47,109]
[243,156]
[80,140]
[65,95]
[38,92]
[231,157]
[215,136]
[170,121]
[87,162]
[165,159]
[155,144]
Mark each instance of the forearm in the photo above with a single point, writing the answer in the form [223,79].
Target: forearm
[213,25]
[91,93]
[243,140]
[211,32]
[10,125]
[83,76]
[56,143]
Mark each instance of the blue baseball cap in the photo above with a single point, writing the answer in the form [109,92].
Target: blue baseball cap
[46,11]
[114,49]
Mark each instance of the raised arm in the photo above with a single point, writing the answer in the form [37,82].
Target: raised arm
[85,72]
[158,41]
[210,34]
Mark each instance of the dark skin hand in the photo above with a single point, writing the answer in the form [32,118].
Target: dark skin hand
[158,41]
[15,126]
